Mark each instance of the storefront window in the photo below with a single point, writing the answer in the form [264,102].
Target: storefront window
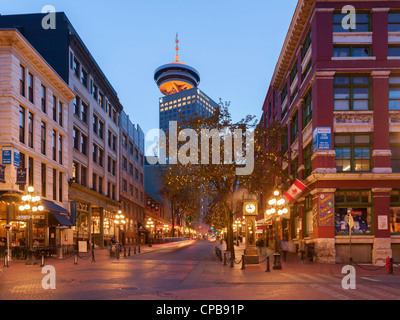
[309,224]
[359,203]
[395,212]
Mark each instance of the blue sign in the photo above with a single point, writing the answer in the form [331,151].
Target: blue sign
[16,158]
[7,155]
[322,139]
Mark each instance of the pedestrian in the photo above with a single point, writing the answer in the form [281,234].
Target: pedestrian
[284,247]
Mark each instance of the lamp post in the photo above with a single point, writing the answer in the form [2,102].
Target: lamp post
[119,220]
[278,208]
[150,225]
[31,203]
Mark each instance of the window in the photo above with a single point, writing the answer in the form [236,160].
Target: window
[44,179]
[95,124]
[307,109]
[394,92]
[359,203]
[60,187]
[75,135]
[95,153]
[352,93]
[363,22]
[284,93]
[309,225]
[77,68]
[77,106]
[44,100]
[60,149]
[84,112]
[54,145]
[21,124]
[101,185]
[295,127]
[124,185]
[353,152]
[30,87]
[75,171]
[308,151]
[306,43]
[60,114]
[94,182]
[101,130]
[352,51]
[83,176]
[394,22]
[54,184]
[395,148]
[84,144]
[30,130]
[124,163]
[55,108]
[84,78]
[30,171]
[394,51]
[295,168]
[22,81]
[43,138]
[101,157]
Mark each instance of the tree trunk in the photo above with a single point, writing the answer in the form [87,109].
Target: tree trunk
[229,241]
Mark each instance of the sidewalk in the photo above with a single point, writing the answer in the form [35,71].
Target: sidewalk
[292,263]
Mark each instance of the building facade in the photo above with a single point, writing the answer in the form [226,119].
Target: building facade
[33,137]
[94,126]
[336,91]
[132,192]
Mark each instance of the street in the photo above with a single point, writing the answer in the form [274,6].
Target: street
[190,270]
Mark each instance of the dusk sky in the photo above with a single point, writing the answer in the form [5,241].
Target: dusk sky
[233,44]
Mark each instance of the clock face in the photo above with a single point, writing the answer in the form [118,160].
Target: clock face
[250,208]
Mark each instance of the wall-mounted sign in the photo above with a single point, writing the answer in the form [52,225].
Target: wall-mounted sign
[7,155]
[322,139]
[16,158]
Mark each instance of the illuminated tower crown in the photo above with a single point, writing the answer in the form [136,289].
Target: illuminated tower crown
[176,76]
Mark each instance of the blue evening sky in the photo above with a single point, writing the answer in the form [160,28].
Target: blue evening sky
[234,44]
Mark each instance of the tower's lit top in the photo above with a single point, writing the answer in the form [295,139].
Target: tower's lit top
[176,76]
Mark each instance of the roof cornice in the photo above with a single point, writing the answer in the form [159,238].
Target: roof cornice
[12,38]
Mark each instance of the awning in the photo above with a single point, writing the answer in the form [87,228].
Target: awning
[61,216]
[61,219]
[51,206]
[142,228]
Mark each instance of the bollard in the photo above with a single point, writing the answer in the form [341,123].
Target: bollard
[243,263]
[93,258]
[129,251]
[117,252]
[134,250]
[224,258]
[139,249]
[42,263]
[268,269]
[124,252]
[391,266]
[76,258]
[232,261]
[6,260]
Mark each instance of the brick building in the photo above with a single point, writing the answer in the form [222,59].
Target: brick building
[345,81]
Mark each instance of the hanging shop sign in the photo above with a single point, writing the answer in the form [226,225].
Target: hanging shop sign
[21,176]
[7,155]
[2,174]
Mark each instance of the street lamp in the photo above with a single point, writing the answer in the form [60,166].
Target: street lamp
[31,203]
[278,208]
[119,220]
[150,225]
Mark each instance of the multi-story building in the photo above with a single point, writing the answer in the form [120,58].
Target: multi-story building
[132,193]
[182,99]
[93,129]
[336,91]
[34,137]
